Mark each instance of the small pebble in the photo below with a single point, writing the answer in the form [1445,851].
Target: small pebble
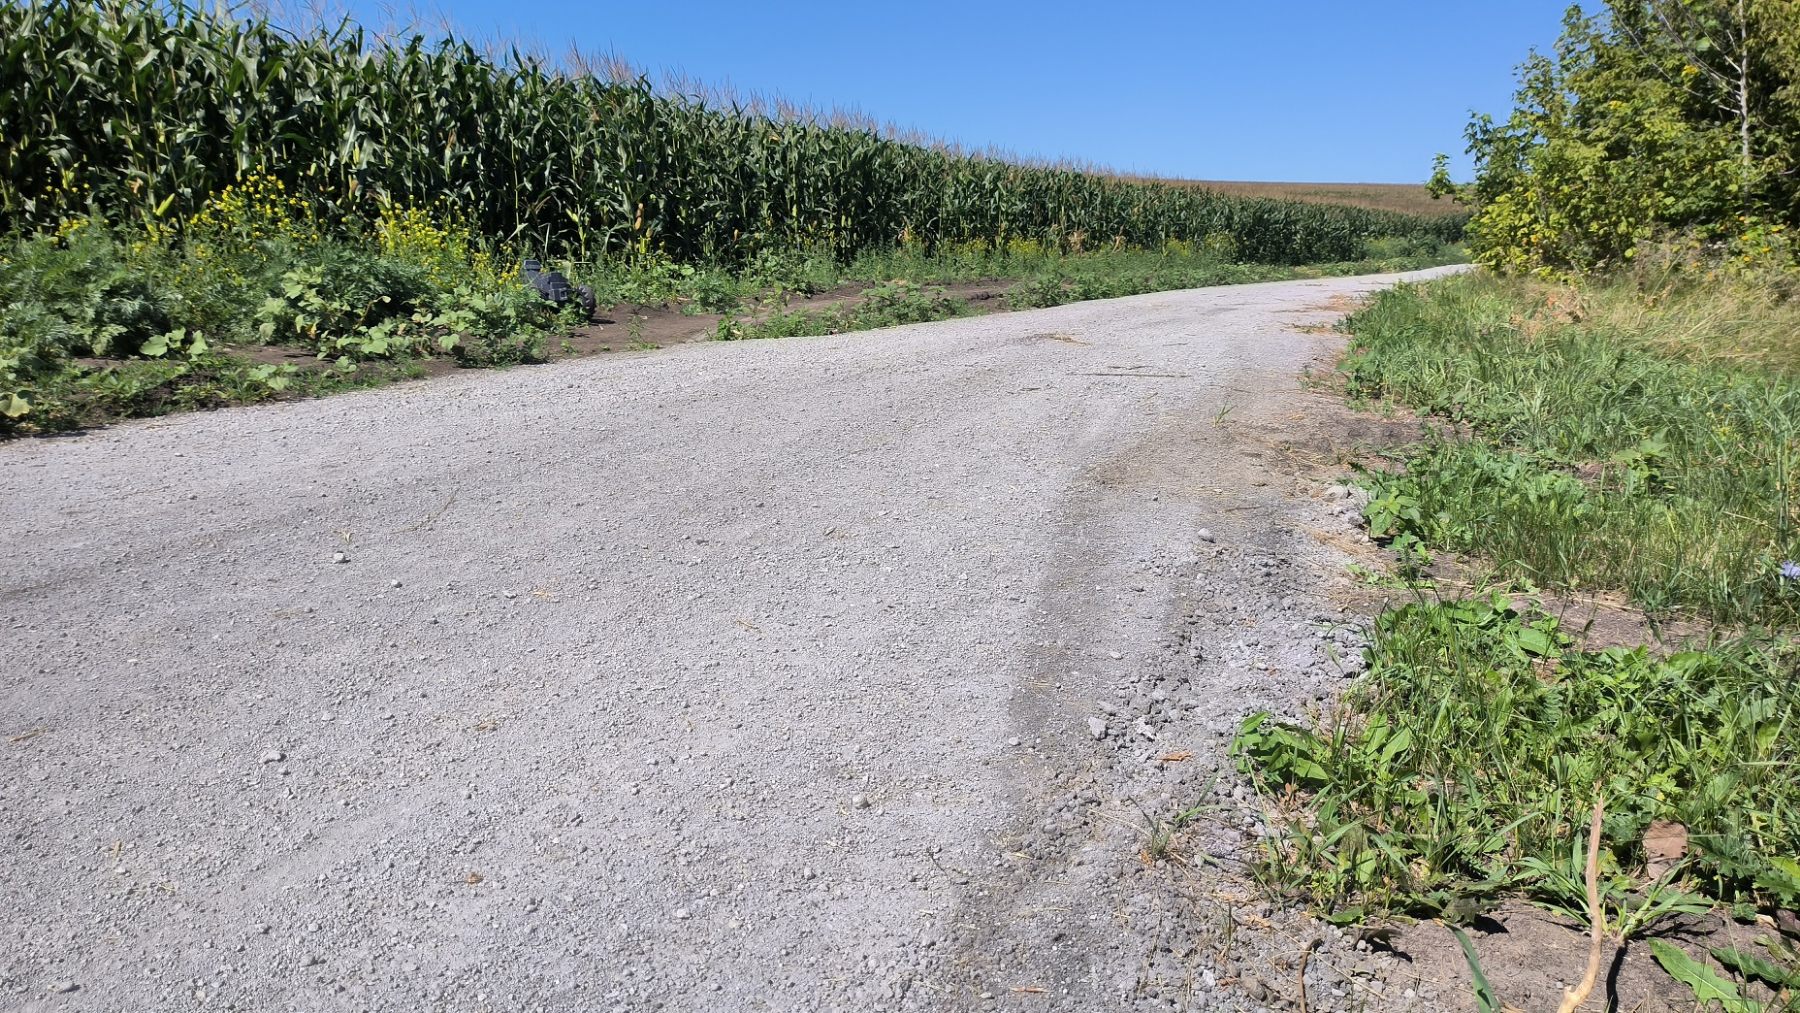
[1097,727]
[859,801]
[1204,535]
[340,557]
[64,987]
[274,756]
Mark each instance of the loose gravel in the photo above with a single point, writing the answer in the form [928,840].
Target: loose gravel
[852,673]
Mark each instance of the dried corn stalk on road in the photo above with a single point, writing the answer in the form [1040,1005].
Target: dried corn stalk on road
[793,675]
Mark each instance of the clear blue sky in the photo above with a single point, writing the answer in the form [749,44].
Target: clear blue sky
[1305,90]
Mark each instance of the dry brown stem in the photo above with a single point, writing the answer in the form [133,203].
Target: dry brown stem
[1573,998]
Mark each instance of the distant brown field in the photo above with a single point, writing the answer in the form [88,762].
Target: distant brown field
[1409,198]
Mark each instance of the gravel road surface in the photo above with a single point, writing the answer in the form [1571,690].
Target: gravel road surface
[815,674]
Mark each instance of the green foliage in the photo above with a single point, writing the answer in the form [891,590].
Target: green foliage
[1486,999]
[144,110]
[1708,987]
[1582,457]
[79,295]
[342,299]
[90,292]
[804,271]
[1661,116]
[887,305]
[1776,970]
[1467,759]
[349,303]
[1781,968]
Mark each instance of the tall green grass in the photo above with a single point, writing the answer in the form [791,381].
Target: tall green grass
[141,110]
[1583,454]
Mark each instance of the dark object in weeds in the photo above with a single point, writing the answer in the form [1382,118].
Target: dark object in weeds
[554,286]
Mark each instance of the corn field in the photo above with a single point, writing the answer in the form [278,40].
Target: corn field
[139,110]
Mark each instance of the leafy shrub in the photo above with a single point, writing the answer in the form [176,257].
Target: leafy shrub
[82,294]
[332,303]
[251,266]
[1220,246]
[886,305]
[807,272]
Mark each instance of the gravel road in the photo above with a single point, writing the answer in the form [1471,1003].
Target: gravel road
[814,674]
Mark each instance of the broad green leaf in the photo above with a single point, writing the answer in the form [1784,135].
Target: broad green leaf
[1486,1001]
[1707,985]
[1753,966]
[1536,642]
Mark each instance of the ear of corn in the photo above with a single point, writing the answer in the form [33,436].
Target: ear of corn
[141,109]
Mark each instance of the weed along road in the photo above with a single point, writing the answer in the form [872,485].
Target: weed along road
[863,672]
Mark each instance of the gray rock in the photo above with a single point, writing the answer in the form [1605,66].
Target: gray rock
[1097,727]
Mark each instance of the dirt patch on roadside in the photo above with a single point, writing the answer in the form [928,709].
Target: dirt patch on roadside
[616,329]
[632,329]
[1530,956]
[987,296]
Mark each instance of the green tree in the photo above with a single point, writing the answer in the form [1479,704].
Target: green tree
[1651,117]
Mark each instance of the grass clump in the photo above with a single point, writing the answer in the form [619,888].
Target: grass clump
[886,305]
[1466,763]
[1580,453]
[1060,280]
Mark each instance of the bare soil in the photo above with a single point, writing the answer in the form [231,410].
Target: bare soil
[1530,956]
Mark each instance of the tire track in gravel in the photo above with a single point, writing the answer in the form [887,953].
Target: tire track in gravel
[727,677]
